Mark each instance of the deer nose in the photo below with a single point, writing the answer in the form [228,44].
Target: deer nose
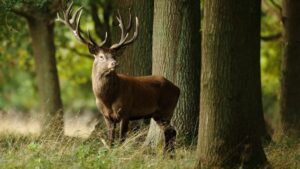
[113,64]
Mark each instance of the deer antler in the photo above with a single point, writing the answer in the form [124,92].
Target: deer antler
[73,23]
[124,35]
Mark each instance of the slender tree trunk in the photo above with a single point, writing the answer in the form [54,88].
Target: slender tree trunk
[230,111]
[41,31]
[290,76]
[176,55]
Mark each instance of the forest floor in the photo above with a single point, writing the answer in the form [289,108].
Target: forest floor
[49,150]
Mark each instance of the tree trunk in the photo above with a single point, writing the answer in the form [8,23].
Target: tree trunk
[231,108]
[41,31]
[136,59]
[290,77]
[176,55]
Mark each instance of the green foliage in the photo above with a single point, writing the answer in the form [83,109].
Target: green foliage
[74,69]
[17,77]
[9,4]
[271,52]
[16,70]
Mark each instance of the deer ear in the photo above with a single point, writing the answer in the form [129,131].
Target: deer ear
[117,53]
[93,49]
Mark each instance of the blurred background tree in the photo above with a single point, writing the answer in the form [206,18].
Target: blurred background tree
[271,52]
[39,16]
[290,78]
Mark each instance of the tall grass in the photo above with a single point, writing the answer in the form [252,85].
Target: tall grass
[65,152]
[53,151]
[284,152]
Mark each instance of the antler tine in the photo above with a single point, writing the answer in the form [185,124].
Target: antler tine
[129,22]
[123,39]
[75,18]
[135,32]
[77,30]
[59,18]
[91,39]
[121,25]
[67,13]
[101,45]
[72,21]
[115,46]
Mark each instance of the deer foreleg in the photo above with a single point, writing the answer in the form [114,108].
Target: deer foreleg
[123,130]
[111,126]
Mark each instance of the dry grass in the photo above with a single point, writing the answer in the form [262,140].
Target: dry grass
[50,150]
[20,148]
[284,153]
[47,152]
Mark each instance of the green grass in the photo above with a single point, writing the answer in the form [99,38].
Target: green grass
[51,152]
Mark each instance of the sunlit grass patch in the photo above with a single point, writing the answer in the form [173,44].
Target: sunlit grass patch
[284,153]
[52,150]
[66,152]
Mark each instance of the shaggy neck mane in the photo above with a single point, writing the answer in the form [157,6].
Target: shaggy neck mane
[106,87]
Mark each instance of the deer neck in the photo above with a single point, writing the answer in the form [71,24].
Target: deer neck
[106,87]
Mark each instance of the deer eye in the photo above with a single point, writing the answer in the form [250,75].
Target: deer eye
[101,57]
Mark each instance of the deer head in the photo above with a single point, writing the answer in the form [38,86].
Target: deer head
[105,57]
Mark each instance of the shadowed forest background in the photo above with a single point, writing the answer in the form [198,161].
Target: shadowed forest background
[45,76]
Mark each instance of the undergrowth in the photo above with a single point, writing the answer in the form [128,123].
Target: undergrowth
[50,152]
[72,153]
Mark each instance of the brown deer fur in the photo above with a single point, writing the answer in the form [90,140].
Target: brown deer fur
[122,98]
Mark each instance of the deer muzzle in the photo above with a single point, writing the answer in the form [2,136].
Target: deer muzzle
[112,65]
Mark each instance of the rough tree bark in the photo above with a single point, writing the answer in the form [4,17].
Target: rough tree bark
[231,108]
[290,77]
[176,55]
[136,60]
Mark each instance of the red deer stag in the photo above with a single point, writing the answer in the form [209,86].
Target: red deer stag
[122,98]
